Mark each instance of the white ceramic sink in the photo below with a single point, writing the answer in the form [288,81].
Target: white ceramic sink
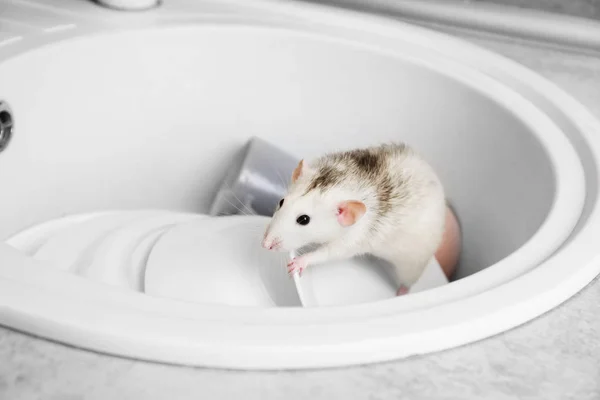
[149,115]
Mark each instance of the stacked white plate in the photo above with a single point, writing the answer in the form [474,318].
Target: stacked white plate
[196,258]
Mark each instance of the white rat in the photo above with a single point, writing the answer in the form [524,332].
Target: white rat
[385,201]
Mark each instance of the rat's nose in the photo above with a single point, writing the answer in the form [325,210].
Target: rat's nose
[270,244]
[266,242]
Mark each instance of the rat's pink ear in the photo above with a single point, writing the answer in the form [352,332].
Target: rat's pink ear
[349,212]
[300,169]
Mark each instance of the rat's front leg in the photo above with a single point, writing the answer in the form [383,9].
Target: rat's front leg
[333,251]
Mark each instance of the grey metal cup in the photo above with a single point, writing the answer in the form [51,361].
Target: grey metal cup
[256,182]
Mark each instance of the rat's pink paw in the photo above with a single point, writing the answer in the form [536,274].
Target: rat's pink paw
[297,265]
[402,290]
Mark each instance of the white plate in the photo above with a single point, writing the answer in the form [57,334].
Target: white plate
[219,260]
[112,262]
[357,280]
[31,239]
[72,248]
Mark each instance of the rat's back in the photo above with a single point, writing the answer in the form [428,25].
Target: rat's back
[391,178]
[404,196]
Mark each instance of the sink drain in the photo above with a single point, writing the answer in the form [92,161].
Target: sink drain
[6,125]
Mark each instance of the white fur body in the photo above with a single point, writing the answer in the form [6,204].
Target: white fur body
[404,218]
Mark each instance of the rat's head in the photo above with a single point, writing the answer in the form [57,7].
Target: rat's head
[308,215]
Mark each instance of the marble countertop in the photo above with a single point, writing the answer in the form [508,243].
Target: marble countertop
[556,356]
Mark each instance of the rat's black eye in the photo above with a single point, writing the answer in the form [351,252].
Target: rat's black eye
[303,220]
[280,203]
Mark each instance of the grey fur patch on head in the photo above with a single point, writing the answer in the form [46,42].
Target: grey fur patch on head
[369,164]
[325,177]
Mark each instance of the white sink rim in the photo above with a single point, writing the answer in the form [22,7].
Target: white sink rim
[380,338]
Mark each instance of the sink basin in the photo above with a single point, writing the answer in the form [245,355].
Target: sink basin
[151,116]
